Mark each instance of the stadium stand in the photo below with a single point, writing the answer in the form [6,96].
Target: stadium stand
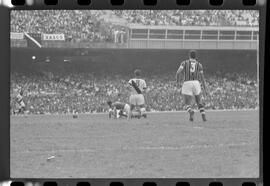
[84,93]
[201,17]
[80,25]
[77,25]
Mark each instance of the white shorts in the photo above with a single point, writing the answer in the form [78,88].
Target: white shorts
[191,88]
[126,108]
[136,99]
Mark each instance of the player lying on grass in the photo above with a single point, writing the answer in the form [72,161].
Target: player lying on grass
[118,109]
[191,72]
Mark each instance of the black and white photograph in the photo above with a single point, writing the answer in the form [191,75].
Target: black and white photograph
[134,94]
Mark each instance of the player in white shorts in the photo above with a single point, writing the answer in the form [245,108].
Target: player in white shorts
[191,72]
[137,88]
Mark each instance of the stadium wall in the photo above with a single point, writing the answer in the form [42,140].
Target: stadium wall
[124,61]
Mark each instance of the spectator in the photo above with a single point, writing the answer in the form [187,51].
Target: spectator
[84,93]
[89,25]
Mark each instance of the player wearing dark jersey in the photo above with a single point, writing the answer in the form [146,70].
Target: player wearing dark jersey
[118,109]
[190,73]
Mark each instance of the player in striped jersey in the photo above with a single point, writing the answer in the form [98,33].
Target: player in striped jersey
[191,72]
[137,87]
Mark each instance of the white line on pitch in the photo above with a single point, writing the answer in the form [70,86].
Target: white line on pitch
[154,112]
[205,146]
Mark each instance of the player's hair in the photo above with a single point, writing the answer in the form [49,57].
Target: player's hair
[137,72]
[192,54]
[109,103]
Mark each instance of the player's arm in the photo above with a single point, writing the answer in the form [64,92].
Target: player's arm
[179,73]
[129,113]
[203,80]
[130,87]
[144,88]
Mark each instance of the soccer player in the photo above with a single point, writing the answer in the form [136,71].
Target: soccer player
[117,109]
[20,102]
[190,73]
[137,88]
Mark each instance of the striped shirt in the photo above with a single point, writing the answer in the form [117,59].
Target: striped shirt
[192,69]
[141,84]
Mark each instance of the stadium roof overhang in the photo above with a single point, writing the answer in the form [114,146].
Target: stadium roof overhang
[242,28]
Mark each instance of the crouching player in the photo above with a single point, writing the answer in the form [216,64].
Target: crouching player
[137,87]
[118,109]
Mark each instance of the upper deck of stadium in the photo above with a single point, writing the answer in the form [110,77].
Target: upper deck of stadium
[173,29]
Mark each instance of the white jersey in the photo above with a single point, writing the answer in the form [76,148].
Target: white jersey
[19,98]
[141,84]
[19,101]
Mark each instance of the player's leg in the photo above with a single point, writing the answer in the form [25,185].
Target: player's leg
[114,113]
[136,112]
[127,109]
[132,102]
[23,107]
[200,106]
[188,95]
[110,113]
[188,106]
[141,103]
[197,93]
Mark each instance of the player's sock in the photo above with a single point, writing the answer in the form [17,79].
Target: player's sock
[191,112]
[202,111]
[143,110]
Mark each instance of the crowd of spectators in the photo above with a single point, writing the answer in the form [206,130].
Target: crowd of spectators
[191,17]
[75,24]
[89,25]
[49,93]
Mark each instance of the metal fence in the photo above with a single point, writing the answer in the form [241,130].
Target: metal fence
[196,37]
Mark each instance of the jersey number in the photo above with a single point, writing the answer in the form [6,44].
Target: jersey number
[193,67]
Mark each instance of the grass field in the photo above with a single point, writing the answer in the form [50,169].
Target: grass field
[165,145]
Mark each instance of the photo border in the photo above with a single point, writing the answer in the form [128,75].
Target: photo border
[128,4]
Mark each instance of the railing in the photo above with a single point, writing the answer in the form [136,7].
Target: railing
[193,32]
[169,37]
[209,37]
